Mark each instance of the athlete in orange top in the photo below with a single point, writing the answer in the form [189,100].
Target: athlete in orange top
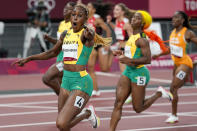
[179,38]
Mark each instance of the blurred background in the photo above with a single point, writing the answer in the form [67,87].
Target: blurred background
[14,19]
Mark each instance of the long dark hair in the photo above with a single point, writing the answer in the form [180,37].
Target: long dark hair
[186,22]
[102,8]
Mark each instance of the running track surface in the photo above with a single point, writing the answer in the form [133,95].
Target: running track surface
[38,111]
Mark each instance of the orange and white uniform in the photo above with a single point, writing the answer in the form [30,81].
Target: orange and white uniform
[178,46]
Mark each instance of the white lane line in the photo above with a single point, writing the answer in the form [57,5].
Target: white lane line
[105,110]
[31,107]
[107,74]
[28,124]
[108,118]
[28,113]
[102,99]
[152,113]
[113,98]
[53,94]
[155,104]
[161,128]
[53,123]
[27,95]
[92,99]
[160,80]
[31,103]
[143,113]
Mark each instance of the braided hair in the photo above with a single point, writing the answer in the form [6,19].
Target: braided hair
[84,8]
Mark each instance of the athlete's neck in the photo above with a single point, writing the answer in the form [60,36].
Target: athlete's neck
[91,15]
[77,30]
[178,28]
[66,20]
[136,31]
[119,19]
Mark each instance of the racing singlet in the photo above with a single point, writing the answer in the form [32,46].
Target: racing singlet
[62,27]
[178,46]
[92,20]
[119,31]
[131,50]
[74,51]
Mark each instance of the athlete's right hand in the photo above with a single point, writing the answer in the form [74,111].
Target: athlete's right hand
[89,33]
[20,62]
[46,36]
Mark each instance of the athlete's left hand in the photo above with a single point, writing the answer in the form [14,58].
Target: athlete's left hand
[125,60]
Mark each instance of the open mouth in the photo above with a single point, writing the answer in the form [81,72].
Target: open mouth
[74,24]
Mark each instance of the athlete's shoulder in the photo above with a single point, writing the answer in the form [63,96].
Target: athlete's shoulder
[62,22]
[96,16]
[126,20]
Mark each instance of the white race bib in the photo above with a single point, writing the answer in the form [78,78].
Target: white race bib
[127,51]
[79,101]
[58,35]
[141,80]
[181,75]
[70,50]
[119,34]
[176,50]
[60,66]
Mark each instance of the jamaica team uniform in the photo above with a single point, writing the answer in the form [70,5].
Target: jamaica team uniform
[137,74]
[75,52]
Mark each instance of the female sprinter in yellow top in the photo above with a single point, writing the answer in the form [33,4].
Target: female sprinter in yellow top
[136,76]
[53,76]
[76,88]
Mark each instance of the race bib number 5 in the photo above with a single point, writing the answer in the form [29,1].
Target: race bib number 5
[79,101]
[141,80]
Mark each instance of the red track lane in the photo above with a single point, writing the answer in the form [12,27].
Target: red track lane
[38,113]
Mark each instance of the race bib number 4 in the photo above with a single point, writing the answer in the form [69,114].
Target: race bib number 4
[79,101]
[177,51]
[141,80]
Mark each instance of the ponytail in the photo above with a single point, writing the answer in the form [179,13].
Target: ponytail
[99,40]
[154,37]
